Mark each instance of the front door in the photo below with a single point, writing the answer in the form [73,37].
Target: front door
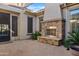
[4,27]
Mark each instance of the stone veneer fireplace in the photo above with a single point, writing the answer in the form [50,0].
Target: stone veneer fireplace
[53,29]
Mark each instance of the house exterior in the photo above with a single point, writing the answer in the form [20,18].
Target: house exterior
[22,22]
[15,24]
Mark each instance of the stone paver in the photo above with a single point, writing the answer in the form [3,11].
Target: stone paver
[32,48]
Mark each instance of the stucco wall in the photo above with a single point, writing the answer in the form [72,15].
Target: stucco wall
[66,16]
[23,26]
[37,22]
[52,11]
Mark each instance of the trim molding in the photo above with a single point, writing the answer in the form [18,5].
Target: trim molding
[66,5]
[54,20]
[34,14]
[9,12]
[29,13]
[40,13]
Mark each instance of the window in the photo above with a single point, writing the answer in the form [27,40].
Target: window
[4,27]
[74,11]
[51,32]
[73,25]
[30,25]
[40,19]
[14,26]
[74,19]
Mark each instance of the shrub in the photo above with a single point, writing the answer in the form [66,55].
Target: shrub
[35,35]
[72,39]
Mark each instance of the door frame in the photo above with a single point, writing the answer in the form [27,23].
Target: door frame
[11,37]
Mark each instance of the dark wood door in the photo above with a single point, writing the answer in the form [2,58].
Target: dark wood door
[4,27]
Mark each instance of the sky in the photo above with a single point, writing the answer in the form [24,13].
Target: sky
[36,7]
[75,11]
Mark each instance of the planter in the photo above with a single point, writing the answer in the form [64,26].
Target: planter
[75,50]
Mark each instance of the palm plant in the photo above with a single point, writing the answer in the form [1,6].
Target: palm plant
[72,39]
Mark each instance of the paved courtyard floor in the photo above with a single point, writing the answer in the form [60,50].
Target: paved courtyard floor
[31,48]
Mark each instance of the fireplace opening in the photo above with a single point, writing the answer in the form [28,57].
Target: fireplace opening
[50,32]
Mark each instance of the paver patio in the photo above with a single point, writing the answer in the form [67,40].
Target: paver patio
[32,48]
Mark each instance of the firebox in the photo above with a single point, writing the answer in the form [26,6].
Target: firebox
[51,32]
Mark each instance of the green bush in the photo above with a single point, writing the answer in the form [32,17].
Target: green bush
[35,35]
[72,39]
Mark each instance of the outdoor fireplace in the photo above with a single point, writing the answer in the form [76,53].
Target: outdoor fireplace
[54,30]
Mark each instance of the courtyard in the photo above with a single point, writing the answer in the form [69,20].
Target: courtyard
[31,48]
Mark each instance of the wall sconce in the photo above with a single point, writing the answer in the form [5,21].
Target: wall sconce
[52,27]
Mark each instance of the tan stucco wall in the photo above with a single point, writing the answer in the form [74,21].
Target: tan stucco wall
[37,22]
[23,26]
[66,16]
[52,11]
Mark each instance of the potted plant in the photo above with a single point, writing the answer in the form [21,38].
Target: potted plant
[72,42]
[35,35]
